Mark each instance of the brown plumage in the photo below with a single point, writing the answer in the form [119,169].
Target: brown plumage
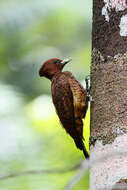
[69,98]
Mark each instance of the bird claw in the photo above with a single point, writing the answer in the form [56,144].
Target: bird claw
[90,99]
[87,79]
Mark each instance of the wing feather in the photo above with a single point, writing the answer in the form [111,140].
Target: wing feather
[79,96]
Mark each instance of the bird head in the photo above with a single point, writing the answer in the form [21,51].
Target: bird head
[52,66]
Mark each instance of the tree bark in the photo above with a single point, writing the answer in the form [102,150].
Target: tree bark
[109,92]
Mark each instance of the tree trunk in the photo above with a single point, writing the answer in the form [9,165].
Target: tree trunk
[109,92]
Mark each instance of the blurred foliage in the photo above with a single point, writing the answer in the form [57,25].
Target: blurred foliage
[31,136]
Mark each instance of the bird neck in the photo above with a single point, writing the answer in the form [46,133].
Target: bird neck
[55,74]
[52,75]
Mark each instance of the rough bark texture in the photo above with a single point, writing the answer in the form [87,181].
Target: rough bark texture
[109,91]
[106,35]
[109,88]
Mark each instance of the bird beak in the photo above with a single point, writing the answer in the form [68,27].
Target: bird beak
[65,61]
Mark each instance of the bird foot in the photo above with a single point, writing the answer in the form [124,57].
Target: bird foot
[88,87]
[89,98]
[87,80]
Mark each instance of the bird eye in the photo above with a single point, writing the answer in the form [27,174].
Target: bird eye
[55,62]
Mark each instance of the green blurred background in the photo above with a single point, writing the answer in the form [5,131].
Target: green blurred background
[30,133]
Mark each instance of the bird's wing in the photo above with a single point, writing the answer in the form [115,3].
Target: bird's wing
[80,104]
[79,98]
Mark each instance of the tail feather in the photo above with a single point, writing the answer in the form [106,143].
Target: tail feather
[85,151]
[81,146]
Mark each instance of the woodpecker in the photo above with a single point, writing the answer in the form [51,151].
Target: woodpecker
[69,97]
